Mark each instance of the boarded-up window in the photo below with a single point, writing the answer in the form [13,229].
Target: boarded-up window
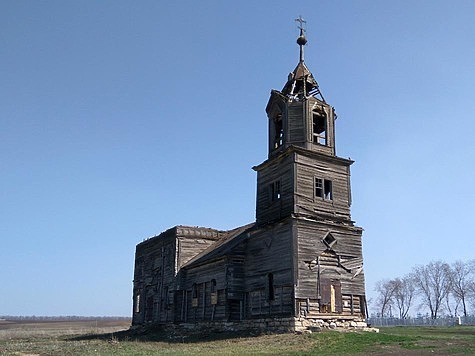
[331,301]
[194,295]
[214,292]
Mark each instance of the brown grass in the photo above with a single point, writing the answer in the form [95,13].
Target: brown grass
[112,337]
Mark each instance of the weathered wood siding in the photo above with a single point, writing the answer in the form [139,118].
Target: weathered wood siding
[296,129]
[235,278]
[157,262]
[297,120]
[269,251]
[202,278]
[266,209]
[192,241]
[154,278]
[258,304]
[318,263]
[352,305]
[307,169]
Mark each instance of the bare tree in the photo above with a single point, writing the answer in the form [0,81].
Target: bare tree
[471,294]
[462,276]
[452,302]
[384,299]
[433,282]
[404,291]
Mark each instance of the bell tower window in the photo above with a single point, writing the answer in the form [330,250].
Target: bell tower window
[323,189]
[279,132]
[319,120]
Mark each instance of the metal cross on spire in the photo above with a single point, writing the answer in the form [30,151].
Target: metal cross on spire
[301,40]
[301,21]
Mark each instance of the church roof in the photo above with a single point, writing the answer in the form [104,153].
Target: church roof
[297,78]
[223,246]
[301,82]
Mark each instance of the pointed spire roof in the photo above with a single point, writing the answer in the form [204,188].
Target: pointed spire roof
[301,82]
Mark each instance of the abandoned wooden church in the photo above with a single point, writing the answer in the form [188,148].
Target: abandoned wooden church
[300,264]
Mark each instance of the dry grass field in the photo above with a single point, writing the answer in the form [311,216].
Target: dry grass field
[112,338]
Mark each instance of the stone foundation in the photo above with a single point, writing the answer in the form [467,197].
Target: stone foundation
[268,325]
[305,325]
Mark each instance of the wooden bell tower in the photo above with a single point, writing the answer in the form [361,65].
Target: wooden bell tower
[304,184]
[302,125]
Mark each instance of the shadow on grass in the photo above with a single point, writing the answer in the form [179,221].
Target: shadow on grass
[160,334]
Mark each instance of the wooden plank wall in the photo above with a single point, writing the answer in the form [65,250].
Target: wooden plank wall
[310,307]
[269,250]
[157,262]
[266,209]
[192,241]
[295,123]
[305,201]
[154,277]
[258,304]
[235,278]
[203,309]
[342,263]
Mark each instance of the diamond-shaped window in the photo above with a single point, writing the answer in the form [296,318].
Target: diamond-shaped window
[329,240]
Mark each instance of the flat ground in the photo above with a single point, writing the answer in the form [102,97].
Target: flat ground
[112,337]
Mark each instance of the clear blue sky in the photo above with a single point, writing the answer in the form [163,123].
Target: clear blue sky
[120,119]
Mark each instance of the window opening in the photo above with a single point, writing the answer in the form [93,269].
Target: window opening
[274,191]
[270,280]
[319,127]
[319,187]
[137,303]
[331,299]
[323,188]
[327,189]
[194,295]
[279,131]
[214,293]
[329,240]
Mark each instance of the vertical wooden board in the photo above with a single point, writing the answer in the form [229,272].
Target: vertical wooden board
[295,123]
